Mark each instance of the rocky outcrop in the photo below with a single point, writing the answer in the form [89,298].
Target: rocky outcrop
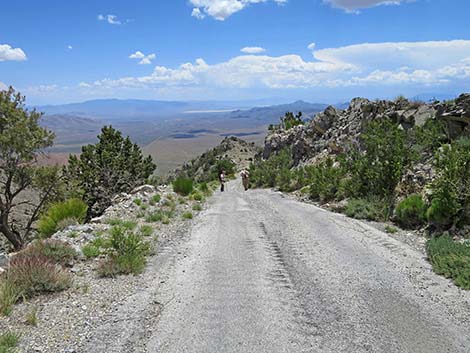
[333,130]
[457,115]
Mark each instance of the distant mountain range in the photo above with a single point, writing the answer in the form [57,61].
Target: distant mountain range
[117,109]
[79,123]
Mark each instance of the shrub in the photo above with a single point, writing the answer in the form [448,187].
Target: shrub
[103,170]
[127,253]
[187,215]
[155,199]
[8,342]
[197,196]
[411,212]
[450,259]
[203,187]
[451,188]
[155,217]
[127,224]
[390,230]
[9,295]
[138,202]
[91,251]
[32,317]
[28,276]
[325,180]
[183,186]
[266,173]
[378,166]
[72,210]
[146,230]
[197,207]
[55,251]
[370,209]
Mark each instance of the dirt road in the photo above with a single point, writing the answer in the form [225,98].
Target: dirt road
[262,273]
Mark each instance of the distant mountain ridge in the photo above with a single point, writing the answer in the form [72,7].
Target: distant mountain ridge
[113,109]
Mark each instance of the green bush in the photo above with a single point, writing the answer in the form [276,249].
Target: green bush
[8,342]
[377,167]
[155,217]
[391,230]
[146,230]
[271,172]
[197,196]
[370,209]
[155,199]
[197,207]
[138,202]
[72,209]
[411,212]
[203,187]
[124,223]
[54,250]
[183,186]
[450,259]
[91,251]
[325,179]
[451,188]
[187,215]
[127,254]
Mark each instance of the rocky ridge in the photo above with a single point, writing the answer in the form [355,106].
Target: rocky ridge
[332,130]
[232,148]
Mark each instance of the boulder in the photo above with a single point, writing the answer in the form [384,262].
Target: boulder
[145,189]
[4,260]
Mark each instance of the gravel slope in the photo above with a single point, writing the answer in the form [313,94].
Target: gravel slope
[262,273]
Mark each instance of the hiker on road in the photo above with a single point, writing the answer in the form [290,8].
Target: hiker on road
[222,180]
[245,174]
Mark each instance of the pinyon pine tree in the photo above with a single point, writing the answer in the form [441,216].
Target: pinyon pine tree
[25,188]
[113,165]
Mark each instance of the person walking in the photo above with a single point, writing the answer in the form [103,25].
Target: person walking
[245,174]
[222,180]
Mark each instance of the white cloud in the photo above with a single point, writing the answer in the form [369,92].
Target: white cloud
[7,53]
[402,64]
[252,50]
[111,19]
[312,46]
[222,9]
[197,13]
[69,47]
[3,86]
[144,59]
[354,5]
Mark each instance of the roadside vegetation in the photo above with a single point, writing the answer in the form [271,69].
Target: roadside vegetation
[366,175]
[36,202]
[8,342]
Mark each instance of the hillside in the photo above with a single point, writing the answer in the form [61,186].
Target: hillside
[376,158]
[232,149]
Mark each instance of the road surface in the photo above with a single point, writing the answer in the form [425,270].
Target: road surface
[263,273]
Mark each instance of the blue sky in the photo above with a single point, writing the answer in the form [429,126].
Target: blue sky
[318,50]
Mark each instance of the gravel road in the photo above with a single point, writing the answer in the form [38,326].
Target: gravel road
[259,272]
